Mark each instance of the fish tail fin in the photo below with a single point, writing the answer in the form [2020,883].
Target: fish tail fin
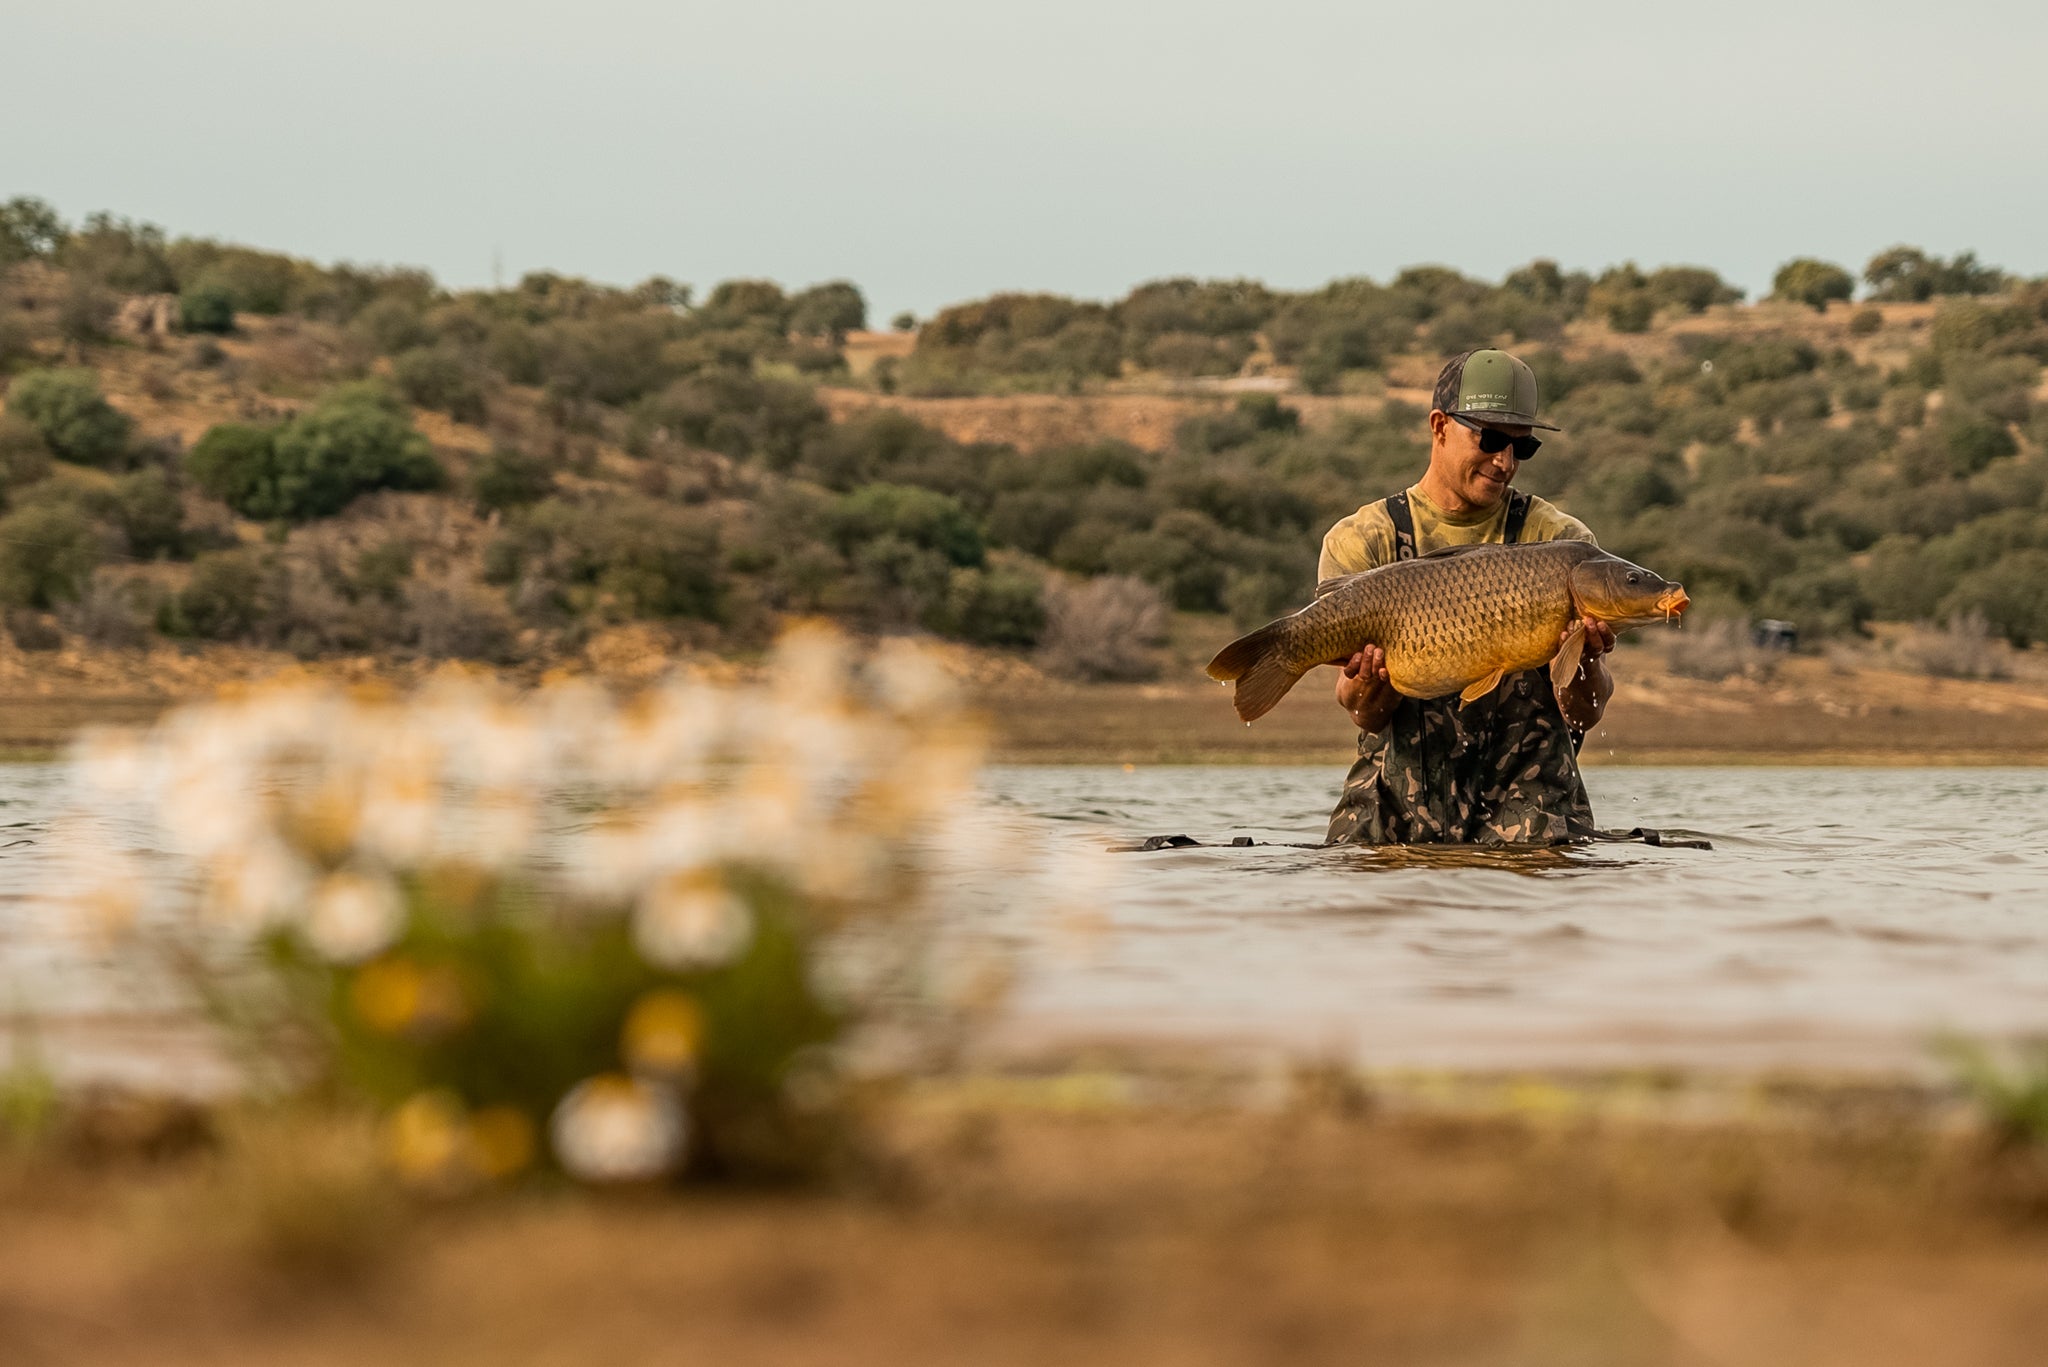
[1260,668]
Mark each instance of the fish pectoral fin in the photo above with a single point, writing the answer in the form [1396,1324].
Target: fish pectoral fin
[1479,689]
[1566,662]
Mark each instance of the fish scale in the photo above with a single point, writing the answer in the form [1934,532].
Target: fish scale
[1447,620]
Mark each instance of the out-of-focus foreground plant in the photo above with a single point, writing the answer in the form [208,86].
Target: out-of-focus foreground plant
[2012,1098]
[628,939]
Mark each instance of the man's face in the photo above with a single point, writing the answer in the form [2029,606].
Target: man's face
[1479,479]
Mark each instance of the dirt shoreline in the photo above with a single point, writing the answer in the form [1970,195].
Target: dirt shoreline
[1839,709]
[1067,1224]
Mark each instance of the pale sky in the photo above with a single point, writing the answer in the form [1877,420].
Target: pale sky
[937,150]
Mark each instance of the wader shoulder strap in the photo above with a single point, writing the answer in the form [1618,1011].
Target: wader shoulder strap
[1404,525]
[1518,513]
[1403,519]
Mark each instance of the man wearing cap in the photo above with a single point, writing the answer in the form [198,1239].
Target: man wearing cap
[1503,770]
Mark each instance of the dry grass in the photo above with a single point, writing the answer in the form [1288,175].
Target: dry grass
[1304,1235]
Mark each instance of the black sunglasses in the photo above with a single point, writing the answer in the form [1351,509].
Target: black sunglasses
[1493,441]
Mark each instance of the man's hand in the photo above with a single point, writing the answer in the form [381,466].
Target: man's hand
[1363,691]
[1584,699]
[1599,638]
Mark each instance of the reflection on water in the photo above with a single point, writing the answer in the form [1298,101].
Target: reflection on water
[1843,915]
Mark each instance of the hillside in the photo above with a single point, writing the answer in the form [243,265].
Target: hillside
[218,460]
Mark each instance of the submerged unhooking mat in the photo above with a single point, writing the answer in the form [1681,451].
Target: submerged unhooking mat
[1641,835]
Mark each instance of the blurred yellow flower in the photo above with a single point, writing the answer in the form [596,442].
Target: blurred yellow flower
[664,1031]
[386,994]
[502,1141]
[427,1141]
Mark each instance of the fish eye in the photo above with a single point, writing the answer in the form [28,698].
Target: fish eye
[1635,577]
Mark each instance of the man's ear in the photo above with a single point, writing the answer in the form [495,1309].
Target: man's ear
[1438,420]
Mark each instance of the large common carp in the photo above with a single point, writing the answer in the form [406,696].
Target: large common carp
[1453,621]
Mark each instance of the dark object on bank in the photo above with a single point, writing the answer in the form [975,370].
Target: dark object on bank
[1772,634]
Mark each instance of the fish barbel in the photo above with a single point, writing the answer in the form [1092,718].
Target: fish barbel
[1457,620]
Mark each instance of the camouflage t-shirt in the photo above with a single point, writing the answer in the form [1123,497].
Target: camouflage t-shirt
[1365,540]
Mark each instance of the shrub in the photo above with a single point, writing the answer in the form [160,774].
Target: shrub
[207,307]
[1692,288]
[230,596]
[236,463]
[829,310]
[507,479]
[917,517]
[1866,321]
[993,607]
[1805,280]
[1907,274]
[739,415]
[392,323]
[441,378]
[457,621]
[85,316]
[630,556]
[110,611]
[150,515]
[2007,594]
[1964,648]
[1103,628]
[1631,311]
[1972,438]
[24,455]
[904,322]
[1714,651]
[48,549]
[120,254]
[351,443]
[29,229]
[75,420]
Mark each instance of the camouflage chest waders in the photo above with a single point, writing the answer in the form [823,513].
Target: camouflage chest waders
[1503,771]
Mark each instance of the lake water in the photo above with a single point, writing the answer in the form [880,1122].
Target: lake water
[1843,917]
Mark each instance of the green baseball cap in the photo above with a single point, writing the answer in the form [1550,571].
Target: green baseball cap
[1489,386]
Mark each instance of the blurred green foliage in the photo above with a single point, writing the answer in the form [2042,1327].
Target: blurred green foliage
[75,419]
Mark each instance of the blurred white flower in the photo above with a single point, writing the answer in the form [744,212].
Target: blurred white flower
[353,915]
[910,680]
[258,886]
[691,921]
[615,1128]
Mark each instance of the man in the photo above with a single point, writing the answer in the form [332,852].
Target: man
[1505,769]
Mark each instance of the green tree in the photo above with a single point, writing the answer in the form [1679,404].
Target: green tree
[1815,283]
[507,479]
[207,308]
[1909,275]
[29,228]
[918,517]
[355,440]
[829,310]
[230,596]
[48,549]
[443,379]
[76,421]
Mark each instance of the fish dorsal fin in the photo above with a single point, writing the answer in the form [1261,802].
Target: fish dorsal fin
[1442,552]
[1566,662]
[1325,587]
[1479,688]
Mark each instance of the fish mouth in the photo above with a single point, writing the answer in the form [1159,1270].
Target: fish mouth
[1673,603]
